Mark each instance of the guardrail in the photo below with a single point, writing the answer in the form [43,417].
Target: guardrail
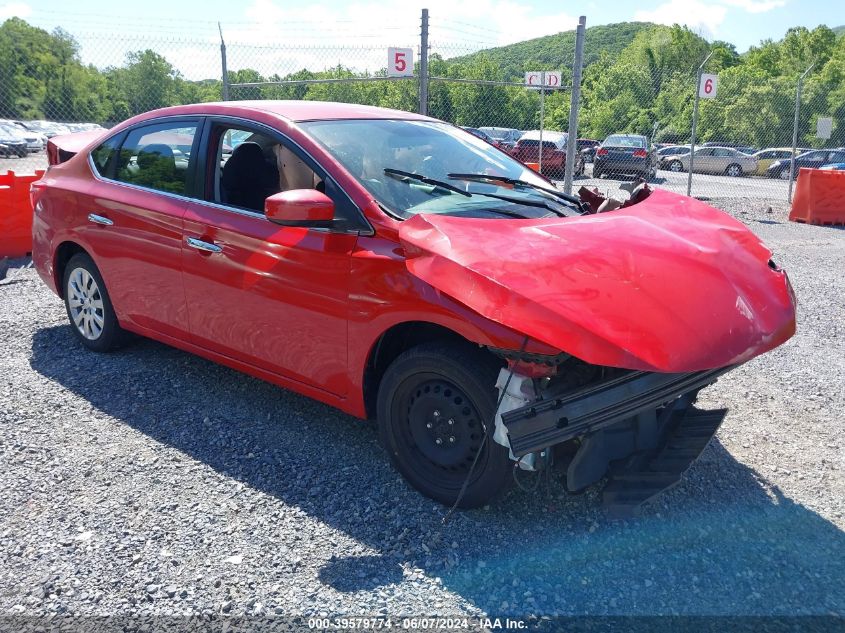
[16,214]
[819,197]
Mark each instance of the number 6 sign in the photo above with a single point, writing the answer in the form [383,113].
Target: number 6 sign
[400,62]
[708,85]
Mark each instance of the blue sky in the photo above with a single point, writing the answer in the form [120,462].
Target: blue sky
[356,33]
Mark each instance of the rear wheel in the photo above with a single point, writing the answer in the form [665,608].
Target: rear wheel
[784,174]
[733,170]
[88,306]
[436,407]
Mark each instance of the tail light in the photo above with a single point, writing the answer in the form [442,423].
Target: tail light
[601,152]
[640,153]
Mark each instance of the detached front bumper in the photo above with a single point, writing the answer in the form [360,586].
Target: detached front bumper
[561,417]
[639,428]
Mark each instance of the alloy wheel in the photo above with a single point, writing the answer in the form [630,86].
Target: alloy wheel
[85,304]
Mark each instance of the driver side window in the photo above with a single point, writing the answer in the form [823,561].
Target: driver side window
[252,165]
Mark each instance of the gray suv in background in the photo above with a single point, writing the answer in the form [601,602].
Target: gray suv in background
[628,154]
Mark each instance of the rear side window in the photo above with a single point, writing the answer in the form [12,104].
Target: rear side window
[158,157]
[104,156]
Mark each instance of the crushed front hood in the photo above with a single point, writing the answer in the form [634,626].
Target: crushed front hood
[669,284]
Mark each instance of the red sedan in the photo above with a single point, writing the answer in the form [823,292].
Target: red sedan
[397,267]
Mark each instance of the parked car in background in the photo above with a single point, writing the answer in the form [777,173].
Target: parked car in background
[397,268]
[715,160]
[833,166]
[629,154]
[813,159]
[482,135]
[587,148]
[527,150]
[765,157]
[505,136]
[667,152]
[13,141]
[745,149]
[35,141]
[84,127]
[48,128]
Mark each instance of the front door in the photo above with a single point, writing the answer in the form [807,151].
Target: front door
[275,297]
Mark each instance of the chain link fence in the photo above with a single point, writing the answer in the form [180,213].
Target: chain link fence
[637,88]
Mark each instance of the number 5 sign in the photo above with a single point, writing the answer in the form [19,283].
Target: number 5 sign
[400,62]
[708,85]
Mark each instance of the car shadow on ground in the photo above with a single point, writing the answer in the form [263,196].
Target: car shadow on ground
[725,541]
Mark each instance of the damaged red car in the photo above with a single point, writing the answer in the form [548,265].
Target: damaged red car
[399,268]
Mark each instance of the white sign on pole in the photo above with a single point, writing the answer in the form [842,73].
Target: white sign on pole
[400,62]
[534,79]
[708,85]
[824,126]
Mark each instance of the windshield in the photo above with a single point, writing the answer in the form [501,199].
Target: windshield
[437,152]
[625,141]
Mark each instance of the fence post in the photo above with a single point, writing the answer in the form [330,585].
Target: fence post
[695,121]
[795,131]
[424,63]
[574,101]
[542,115]
[223,62]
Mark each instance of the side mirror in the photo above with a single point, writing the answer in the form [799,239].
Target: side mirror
[300,207]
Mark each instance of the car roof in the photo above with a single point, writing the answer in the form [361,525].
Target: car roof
[295,111]
[548,135]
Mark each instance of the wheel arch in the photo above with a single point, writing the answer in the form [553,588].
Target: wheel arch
[394,341]
[63,254]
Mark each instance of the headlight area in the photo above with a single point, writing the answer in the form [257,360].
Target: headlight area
[639,428]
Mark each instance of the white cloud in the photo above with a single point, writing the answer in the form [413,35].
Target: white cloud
[276,37]
[756,6]
[699,16]
[14,10]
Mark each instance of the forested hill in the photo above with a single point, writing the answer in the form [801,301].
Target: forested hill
[558,51]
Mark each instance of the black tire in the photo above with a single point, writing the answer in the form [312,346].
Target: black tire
[442,391]
[676,166]
[733,170]
[111,335]
[597,173]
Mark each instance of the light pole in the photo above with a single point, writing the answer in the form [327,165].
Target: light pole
[695,120]
[795,130]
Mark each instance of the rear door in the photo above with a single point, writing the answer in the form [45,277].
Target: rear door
[722,157]
[134,220]
[704,160]
[272,296]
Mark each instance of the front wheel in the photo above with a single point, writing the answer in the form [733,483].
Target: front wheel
[436,407]
[88,306]
[734,170]
[676,166]
[784,174]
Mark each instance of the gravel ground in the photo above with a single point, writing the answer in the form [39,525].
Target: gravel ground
[152,482]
